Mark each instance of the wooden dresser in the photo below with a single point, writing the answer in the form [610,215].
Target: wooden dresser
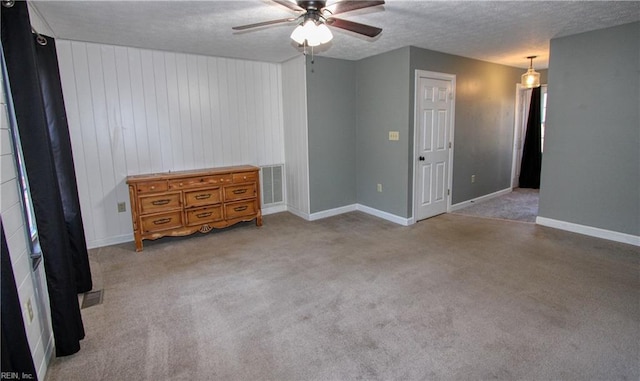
[185,202]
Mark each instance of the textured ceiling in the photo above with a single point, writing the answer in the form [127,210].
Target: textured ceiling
[503,32]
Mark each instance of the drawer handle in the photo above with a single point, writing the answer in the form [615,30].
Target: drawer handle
[161,202]
[162,221]
[240,208]
[203,196]
[203,215]
[239,191]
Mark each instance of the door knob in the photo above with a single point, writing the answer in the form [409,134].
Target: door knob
[421,158]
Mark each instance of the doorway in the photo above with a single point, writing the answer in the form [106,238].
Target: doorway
[523,100]
[433,143]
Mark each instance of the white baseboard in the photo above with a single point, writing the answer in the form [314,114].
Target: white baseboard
[274,209]
[115,240]
[332,212]
[277,209]
[385,215]
[298,213]
[110,241]
[589,230]
[351,208]
[486,197]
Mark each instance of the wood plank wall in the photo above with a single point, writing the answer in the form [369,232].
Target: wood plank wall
[134,111]
[294,90]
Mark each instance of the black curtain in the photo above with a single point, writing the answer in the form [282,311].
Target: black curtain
[60,141]
[60,261]
[532,150]
[16,355]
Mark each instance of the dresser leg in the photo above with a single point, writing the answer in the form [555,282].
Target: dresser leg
[259,219]
[138,244]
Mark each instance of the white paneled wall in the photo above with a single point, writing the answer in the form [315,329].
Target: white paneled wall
[133,111]
[30,283]
[294,94]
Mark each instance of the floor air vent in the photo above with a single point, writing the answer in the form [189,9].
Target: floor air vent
[91,298]
[272,185]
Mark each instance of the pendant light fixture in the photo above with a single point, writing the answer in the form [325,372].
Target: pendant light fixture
[531,78]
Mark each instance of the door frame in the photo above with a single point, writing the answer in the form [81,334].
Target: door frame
[444,77]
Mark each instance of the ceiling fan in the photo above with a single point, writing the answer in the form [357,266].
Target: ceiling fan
[314,16]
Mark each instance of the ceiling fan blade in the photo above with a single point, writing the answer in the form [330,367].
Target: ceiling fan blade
[290,5]
[264,23]
[350,5]
[352,26]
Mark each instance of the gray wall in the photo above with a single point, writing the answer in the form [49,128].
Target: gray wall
[331,105]
[382,99]
[591,162]
[484,120]
[381,91]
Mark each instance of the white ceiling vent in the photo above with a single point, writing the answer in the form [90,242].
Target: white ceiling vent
[272,185]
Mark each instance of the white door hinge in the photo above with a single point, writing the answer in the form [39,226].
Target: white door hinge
[448,192]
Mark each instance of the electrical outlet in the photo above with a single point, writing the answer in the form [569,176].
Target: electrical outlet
[379,188]
[473,178]
[29,310]
[122,207]
[394,135]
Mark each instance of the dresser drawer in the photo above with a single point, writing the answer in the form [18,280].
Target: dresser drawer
[199,181]
[239,192]
[157,203]
[240,209]
[202,197]
[152,186]
[159,222]
[245,177]
[204,215]
[197,200]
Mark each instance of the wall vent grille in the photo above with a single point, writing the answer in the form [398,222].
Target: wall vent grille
[272,193]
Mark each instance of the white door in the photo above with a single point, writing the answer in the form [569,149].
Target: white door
[433,139]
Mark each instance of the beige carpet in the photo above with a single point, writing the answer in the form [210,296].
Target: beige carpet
[519,205]
[354,297]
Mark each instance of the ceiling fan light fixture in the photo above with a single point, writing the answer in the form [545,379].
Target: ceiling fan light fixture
[309,27]
[313,33]
[313,41]
[313,18]
[324,33]
[531,78]
[298,34]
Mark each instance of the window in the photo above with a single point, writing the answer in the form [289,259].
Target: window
[543,117]
[23,181]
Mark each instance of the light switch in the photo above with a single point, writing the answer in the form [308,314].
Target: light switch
[394,135]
